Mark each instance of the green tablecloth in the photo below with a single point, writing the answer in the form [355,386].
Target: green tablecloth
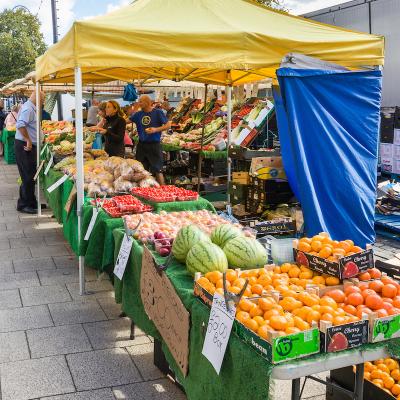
[99,249]
[54,199]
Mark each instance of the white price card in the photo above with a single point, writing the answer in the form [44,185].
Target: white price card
[55,185]
[38,170]
[123,255]
[46,171]
[91,223]
[44,148]
[218,331]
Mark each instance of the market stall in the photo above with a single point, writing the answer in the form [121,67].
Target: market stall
[206,50]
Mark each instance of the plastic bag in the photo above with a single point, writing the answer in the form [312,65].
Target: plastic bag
[148,182]
[122,185]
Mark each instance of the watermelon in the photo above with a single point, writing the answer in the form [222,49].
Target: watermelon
[186,238]
[223,233]
[246,253]
[206,257]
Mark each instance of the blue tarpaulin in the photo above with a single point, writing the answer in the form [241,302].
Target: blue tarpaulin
[328,127]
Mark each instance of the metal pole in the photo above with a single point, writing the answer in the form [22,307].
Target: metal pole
[202,139]
[79,168]
[55,40]
[229,123]
[38,118]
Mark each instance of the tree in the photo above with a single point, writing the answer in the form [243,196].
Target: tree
[273,3]
[20,43]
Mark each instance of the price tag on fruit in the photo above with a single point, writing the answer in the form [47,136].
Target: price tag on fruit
[91,223]
[218,331]
[55,185]
[123,255]
[46,171]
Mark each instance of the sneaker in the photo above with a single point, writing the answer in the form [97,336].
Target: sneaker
[28,210]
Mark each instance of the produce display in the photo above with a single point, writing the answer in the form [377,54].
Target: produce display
[245,252]
[123,205]
[106,176]
[165,193]
[205,256]
[384,373]
[186,238]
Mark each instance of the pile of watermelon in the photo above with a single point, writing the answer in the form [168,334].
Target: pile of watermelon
[226,246]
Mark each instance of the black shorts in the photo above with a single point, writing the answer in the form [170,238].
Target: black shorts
[150,155]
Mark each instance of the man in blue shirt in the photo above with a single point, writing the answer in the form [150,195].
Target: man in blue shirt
[25,154]
[150,122]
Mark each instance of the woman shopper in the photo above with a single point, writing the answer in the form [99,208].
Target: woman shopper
[113,129]
[101,120]
[11,119]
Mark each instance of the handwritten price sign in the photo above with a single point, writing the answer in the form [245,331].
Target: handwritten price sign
[218,331]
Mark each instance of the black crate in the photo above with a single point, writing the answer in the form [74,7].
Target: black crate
[209,167]
[270,185]
[387,126]
[238,189]
[397,118]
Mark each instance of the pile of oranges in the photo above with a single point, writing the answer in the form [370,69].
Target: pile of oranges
[323,246]
[380,295]
[384,373]
[286,279]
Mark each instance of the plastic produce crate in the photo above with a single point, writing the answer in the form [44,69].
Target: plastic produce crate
[8,141]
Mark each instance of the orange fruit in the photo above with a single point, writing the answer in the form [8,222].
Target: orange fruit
[305,239]
[355,249]
[239,282]
[302,312]
[336,295]
[364,276]
[325,252]
[355,299]
[326,309]
[395,389]
[367,375]
[234,289]
[378,382]
[345,246]
[388,382]
[260,320]
[308,299]
[263,331]
[251,324]
[242,316]
[303,246]
[375,273]
[350,242]
[290,303]
[220,284]
[299,323]
[363,310]
[368,366]
[313,316]
[289,319]
[306,274]
[332,281]
[294,272]
[268,314]
[316,245]
[376,286]
[256,311]
[278,322]
[374,302]
[246,305]
[214,276]
[367,292]
[257,289]
[351,289]
[389,290]
[328,301]
[252,280]
[318,280]
[395,374]
[203,282]
[220,291]
[376,374]
[350,309]
[231,275]
[396,301]
[339,320]
[338,251]
[327,317]
[391,364]
[382,313]
[383,367]
[292,329]
[266,303]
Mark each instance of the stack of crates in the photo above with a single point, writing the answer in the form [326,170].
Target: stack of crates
[8,141]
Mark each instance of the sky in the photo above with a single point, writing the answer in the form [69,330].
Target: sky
[70,10]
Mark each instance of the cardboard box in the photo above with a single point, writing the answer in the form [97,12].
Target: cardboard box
[396,152]
[262,162]
[384,328]
[386,150]
[396,167]
[240,177]
[396,139]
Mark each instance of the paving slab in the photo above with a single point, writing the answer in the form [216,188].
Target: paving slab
[31,379]
[143,357]
[6,267]
[76,312]
[9,299]
[44,295]
[14,226]
[50,250]
[64,339]
[102,368]
[66,261]
[4,244]
[113,333]
[95,288]
[162,389]
[63,276]
[15,254]
[33,264]
[100,394]
[110,307]
[11,234]
[19,319]
[34,231]
[18,280]
[55,239]
[27,242]
[13,347]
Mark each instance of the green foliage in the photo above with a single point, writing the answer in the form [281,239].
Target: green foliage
[273,3]
[20,43]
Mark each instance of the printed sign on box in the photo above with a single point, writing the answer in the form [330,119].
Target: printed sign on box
[386,150]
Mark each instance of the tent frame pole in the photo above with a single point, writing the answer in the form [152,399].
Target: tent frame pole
[203,125]
[228,144]
[79,169]
[38,115]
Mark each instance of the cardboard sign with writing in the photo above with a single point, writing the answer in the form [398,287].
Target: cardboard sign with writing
[164,307]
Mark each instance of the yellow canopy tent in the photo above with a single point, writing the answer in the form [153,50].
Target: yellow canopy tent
[199,40]
[225,42]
